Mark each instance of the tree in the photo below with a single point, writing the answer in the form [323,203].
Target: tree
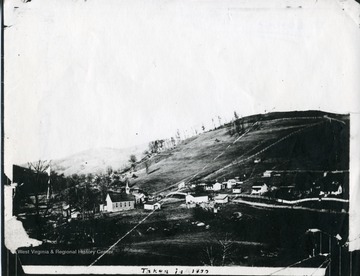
[226,249]
[89,177]
[209,256]
[218,251]
[39,168]
[238,123]
[58,182]
[147,164]
[109,170]
[173,141]
[153,147]
[236,116]
[133,161]
[178,137]
[132,158]
[232,128]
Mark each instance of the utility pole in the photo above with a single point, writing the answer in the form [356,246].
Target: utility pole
[339,260]
[330,255]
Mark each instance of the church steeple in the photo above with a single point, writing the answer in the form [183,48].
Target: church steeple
[127,188]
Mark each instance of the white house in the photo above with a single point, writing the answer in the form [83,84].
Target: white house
[196,198]
[259,190]
[267,173]
[338,192]
[230,183]
[75,214]
[152,205]
[209,187]
[222,198]
[217,186]
[236,189]
[139,198]
[116,202]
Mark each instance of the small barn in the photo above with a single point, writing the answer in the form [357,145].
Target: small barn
[236,189]
[217,186]
[222,198]
[197,198]
[152,205]
[259,190]
[267,173]
[230,183]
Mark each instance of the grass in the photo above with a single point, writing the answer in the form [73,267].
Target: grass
[260,237]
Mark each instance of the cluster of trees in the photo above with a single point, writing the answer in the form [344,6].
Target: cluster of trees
[154,147]
[162,144]
[44,188]
[237,125]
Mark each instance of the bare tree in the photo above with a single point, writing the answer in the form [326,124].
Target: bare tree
[39,168]
[226,249]
[147,164]
[236,116]
[178,136]
[209,256]
[218,251]
[133,161]
[173,142]
[109,170]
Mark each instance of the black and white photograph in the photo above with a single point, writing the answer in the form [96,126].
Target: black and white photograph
[175,137]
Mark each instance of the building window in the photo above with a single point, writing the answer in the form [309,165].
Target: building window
[120,204]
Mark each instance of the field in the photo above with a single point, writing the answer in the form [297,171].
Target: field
[170,237]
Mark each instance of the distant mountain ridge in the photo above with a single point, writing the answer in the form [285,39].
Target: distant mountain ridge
[96,160]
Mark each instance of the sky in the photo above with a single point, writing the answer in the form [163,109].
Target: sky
[91,74]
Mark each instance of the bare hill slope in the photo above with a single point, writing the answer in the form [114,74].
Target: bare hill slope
[310,140]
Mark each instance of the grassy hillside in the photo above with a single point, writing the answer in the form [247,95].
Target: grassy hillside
[283,141]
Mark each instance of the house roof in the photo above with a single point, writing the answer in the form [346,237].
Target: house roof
[223,196]
[120,197]
[152,202]
[199,195]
